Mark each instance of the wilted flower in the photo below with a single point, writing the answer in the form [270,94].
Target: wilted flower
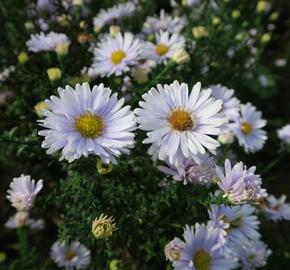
[173,249]
[23,192]
[103,227]
[71,256]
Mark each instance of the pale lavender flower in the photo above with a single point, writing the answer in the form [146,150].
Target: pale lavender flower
[247,127]
[23,191]
[199,169]
[71,256]
[238,223]
[276,208]
[203,251]
[173,249]
[284,134]
[240,184]
[252,254]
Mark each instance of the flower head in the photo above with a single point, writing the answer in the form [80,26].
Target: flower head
[115,55]
[240,184]
[173,249]
[203,251]
[248,128]
[284,134]
[71,256]
[178,122]
[83,121]
[165,47]
[23,191]
[42,42]
[103,227]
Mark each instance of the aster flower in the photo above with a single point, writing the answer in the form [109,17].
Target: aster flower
[166,46]
[231,105]
[21,219]
[107,16]
[240,184]
[115,55]
[103,227]
[248,128]
[284,134]
[23,191]
[83,121]
[199,169]
[164,22]
[252,254]
[276,209]
[202,251]
[42,42]
[173,249]
[71,256]
[237,222]
[179,122]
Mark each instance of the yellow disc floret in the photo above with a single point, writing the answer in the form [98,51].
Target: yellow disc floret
[118,56]
[180,120]
[201,260]
[246,128]
[161,49]
[89,125]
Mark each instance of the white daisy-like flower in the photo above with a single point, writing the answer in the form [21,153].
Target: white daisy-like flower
[42,42]
[107,16]
[240,184]
[203,251]
[284,134]
[71,256]
[238,222]
[82,121]
[199,169]
[276,209]
[164,22]
[252,254]
[23,191]
[115,55]
[165,46]
[231,105]
[21,219]
[247,127]
[180,123]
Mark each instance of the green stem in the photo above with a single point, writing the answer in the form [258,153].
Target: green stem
[23,242]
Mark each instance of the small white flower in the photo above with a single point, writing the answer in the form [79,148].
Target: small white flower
[23,191]
[115,55]
[117,12]
[276,209]
[231,105]
[180,123]
[71,256]
[165,46]
[173,249]
[240,184]
[83,121]
[164,22]
[284,134]
[248,128]
[42,42]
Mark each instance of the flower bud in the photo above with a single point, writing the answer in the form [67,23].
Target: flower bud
[263,6]
[77,2]
[140,75]
[274,16]
[62,49]
[226,138]
[236,14]
[199,32]
[114,264]
[40,107]
[53,74]
[266,38]
[114,29]
[181,56]
[22,58]
[103,168]
[103,227]
[216,20]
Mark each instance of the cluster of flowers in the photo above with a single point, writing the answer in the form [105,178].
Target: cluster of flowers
[184,126]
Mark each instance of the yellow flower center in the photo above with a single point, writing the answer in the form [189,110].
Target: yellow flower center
[236,223]
[117,56]
[246,128]
[201,260]
[89,125]
[161,49]
[69,255]
[180,120]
